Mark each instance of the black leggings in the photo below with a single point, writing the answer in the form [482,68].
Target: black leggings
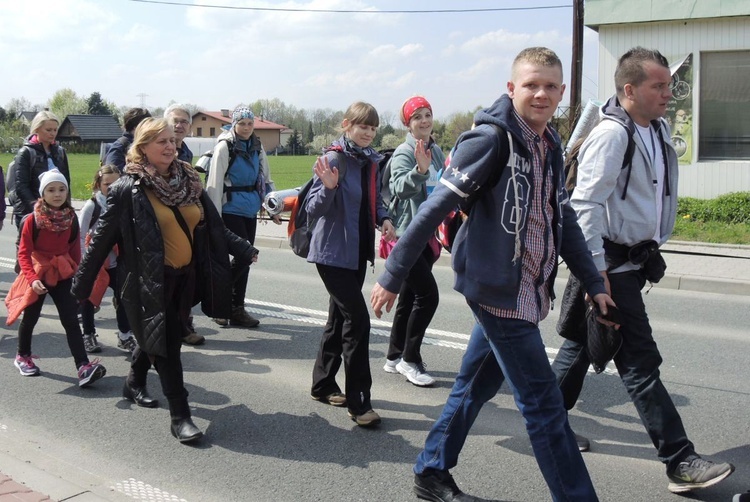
[67,310]
[244,227]
[87,308]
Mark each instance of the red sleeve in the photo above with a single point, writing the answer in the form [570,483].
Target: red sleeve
[25,248]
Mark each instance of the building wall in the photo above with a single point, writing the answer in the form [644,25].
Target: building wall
[203,129]
[676,39]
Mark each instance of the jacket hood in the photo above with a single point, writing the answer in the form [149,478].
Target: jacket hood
[501,113]
[614,111]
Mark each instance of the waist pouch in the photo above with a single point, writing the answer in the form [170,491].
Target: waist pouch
[646,254]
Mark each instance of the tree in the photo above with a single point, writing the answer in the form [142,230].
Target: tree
[310,134]
[17,105]
[294,144]
[391,141]
[96,106]
[321,141]
[66,102]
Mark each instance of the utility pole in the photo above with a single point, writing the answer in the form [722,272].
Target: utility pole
[143,96]
[576,70]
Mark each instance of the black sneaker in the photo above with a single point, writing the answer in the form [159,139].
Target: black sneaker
[438,486]
[695,472]
[741,497]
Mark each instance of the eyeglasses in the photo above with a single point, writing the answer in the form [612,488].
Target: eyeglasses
[180,121]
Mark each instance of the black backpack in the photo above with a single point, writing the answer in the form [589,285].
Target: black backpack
[10,176]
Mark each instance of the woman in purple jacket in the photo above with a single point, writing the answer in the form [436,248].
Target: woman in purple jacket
[349,208]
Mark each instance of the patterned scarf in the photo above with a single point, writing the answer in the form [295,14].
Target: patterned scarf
[56,220]
[182,188]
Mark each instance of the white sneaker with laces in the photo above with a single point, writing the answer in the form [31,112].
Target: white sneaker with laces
[415,373]
[390,366]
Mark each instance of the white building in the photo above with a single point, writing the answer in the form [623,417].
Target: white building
[710,114]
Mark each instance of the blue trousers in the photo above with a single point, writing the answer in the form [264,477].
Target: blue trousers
[511,349]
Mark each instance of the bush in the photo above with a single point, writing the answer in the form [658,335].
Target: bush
[728,208]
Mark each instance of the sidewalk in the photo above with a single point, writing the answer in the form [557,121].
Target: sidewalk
[708,274]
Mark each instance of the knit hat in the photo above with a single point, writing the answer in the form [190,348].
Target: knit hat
[242,112]
[410,106]
[50,176]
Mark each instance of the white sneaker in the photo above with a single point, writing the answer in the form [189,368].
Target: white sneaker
[390,366]
[415,373]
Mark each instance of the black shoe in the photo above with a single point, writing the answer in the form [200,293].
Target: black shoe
[138,395]
[438,486]
[583,443]
[185,430]
[696,472]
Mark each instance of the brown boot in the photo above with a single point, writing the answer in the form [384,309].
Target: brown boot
[240,317]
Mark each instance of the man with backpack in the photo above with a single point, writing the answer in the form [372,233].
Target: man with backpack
[626,212]
[505,260]
[119,149]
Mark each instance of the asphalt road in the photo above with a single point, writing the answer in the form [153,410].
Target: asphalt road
[267,440]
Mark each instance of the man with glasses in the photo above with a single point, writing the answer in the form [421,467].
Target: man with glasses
[626,213]
[180,119]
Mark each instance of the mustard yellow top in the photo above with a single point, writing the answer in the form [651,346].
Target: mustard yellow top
[177,251]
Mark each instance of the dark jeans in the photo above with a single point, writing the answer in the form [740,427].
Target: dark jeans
[417,303]
[347,335]
[67,310]
[512,349]
[169,368]
[87,308]
[638,363]
[245,228]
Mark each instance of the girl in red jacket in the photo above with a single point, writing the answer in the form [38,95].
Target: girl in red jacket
[48,254]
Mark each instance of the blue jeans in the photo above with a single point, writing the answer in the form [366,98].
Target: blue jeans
[637,362]
[501,348]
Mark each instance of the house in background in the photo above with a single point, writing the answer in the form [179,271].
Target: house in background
[89,130]
[210,124]
[708,44]
[26,117]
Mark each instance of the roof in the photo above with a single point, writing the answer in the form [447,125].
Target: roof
[603,12]
[90,127]
[28,116]
[260,123]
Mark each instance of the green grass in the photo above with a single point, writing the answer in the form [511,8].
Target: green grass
[686,229]
[286,171]
[293,171]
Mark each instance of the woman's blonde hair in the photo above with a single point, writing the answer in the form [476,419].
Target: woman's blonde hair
[42,117]
[105,169]
[146,132]
[362,113]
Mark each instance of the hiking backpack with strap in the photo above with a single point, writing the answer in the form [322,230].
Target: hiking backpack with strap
[203,165]
[300,226]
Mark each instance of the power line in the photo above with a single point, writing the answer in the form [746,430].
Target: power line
[343,11]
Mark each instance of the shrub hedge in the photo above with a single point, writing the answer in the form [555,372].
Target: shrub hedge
[728,208]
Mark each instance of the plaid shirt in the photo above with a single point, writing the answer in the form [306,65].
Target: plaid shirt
[538,256]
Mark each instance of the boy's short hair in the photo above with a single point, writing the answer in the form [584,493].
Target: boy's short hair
[133,117]
[541,56]
[630,67]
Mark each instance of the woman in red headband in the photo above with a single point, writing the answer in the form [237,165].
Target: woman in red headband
[414,173]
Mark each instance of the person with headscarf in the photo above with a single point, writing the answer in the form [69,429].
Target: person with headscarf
[237,181]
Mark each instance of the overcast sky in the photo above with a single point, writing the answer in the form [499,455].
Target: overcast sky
[218,58]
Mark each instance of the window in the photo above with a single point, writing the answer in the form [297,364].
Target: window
[200,132]
[213,132]
[203,118]
[724,129]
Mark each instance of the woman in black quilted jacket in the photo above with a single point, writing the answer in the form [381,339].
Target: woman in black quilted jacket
[174,253]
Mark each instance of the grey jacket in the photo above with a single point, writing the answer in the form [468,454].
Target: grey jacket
[597,198]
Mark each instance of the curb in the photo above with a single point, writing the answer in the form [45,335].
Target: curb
[24,475]
[682,282]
